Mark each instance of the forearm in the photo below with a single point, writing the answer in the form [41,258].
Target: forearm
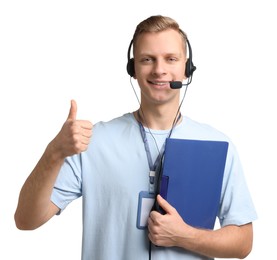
[227,242]
[34,204]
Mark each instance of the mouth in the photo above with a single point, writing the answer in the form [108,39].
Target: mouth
[159,84]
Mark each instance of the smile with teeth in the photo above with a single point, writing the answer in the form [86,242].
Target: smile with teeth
[159,83]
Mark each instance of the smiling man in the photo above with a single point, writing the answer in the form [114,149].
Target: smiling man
[113,169]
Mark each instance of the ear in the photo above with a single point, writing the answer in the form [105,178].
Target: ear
[186,64]
[134,71]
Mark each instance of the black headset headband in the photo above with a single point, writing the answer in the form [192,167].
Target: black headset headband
[190,68]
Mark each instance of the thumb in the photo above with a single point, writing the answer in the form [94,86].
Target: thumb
[73,110]
[165,205]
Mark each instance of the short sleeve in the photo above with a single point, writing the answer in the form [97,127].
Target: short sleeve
[236,207]
[68,186]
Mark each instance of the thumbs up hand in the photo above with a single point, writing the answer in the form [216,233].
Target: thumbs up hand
[74,137]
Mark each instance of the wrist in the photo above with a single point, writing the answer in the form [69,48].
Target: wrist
[189,238]
[54,153]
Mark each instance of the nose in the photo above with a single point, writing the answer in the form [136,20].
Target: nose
[159,67]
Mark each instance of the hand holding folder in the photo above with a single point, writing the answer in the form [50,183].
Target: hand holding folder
[191,179]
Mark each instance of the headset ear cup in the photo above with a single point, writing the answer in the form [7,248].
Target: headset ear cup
[131,67]
[190,68]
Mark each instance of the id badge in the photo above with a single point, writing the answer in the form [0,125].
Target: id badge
[145,204]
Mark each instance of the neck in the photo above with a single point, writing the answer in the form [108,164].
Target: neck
[157,118]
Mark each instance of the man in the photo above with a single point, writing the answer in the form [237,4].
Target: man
[110,167]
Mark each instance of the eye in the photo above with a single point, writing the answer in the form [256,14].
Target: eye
[146,60]
[172,59]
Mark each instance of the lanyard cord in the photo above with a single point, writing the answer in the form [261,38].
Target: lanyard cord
[152,166]
[158,163]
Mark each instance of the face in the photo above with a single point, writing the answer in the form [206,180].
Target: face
[159,59]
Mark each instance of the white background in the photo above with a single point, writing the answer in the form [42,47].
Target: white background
[53,51]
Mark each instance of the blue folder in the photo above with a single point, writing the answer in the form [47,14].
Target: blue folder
[191,180]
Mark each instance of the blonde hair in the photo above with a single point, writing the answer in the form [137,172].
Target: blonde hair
[158,23]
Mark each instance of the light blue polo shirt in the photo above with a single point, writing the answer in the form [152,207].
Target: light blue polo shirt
[114,170]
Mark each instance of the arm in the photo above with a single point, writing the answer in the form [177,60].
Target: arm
[34,205]
[170,230]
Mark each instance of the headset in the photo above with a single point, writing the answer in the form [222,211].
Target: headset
[190,68]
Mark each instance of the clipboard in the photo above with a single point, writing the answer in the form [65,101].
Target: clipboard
[191,180]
